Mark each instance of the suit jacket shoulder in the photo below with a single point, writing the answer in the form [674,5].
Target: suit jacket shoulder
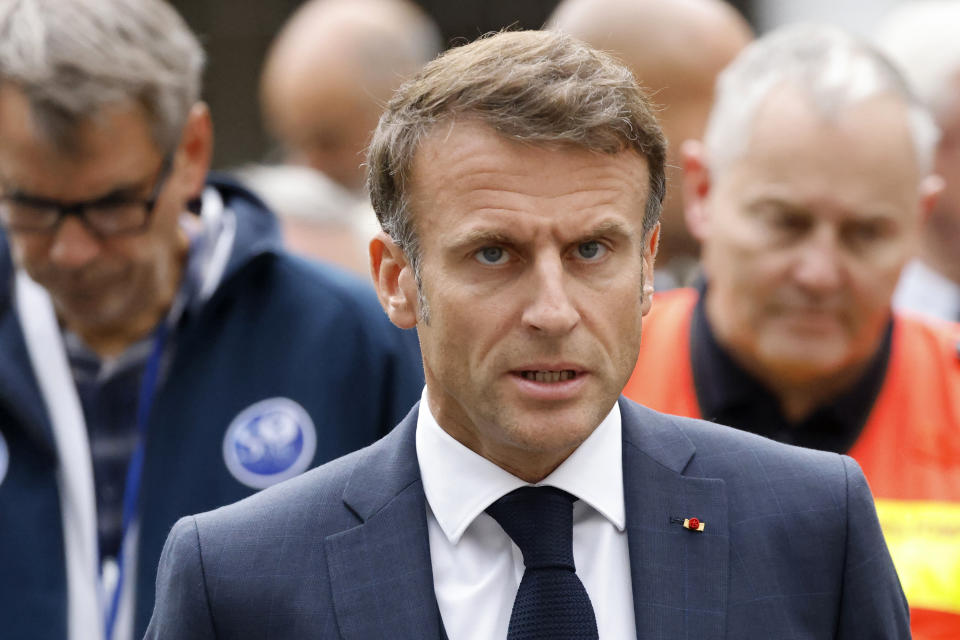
[791,546]
[320,555]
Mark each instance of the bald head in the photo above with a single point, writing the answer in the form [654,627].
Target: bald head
[921,38]
[331,70]
[675,48]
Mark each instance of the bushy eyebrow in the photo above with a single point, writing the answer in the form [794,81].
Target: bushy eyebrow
[608,228]
[874,214]
[481,237]
[477,237]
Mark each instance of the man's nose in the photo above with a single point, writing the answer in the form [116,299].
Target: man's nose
[550,310]
[819,265]
[73,244]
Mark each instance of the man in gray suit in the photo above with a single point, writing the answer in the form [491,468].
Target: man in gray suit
[518,181]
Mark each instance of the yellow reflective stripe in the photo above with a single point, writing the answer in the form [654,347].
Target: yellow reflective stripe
[924,540]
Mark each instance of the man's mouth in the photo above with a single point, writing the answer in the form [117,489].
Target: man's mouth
[549,376]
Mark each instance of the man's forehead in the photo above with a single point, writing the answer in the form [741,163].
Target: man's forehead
[31,122]
[793,122]
[469,148]
[113,149]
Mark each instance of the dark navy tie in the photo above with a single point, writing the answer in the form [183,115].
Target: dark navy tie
[551,602]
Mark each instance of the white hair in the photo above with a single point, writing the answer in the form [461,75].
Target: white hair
[71,58]
[835,69]
[923,40]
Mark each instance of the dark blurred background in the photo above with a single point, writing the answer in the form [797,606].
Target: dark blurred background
[236,34]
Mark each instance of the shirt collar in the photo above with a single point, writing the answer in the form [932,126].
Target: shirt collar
[593,473]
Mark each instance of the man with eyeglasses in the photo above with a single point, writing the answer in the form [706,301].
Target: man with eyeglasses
[159,353]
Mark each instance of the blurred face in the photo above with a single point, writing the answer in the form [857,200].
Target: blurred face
[534,264]
[325,121]
[805,235]
[98,285]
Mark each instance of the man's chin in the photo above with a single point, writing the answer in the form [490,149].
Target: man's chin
[804,363]
[92,315]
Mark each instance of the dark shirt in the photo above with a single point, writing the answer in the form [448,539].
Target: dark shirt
[109,392]
[727,394]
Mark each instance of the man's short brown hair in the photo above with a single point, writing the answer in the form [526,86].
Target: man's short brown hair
[533,86]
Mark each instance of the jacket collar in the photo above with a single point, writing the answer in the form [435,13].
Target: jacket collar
[19,393]
[381,576]
[258,230]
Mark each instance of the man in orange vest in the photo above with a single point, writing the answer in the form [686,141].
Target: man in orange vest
[807,195]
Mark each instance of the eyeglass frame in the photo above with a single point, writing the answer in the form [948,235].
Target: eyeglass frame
[79,208]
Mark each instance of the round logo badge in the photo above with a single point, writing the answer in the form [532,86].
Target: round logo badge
[269,441]
[4,458]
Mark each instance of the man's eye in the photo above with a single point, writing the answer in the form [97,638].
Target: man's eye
[592,250]
[491,255]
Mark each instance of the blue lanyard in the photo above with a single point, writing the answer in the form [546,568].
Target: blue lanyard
[131,493]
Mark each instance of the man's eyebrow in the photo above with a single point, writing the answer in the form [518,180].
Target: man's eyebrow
[877,213]
[607,228]
[482,236]
[490,236]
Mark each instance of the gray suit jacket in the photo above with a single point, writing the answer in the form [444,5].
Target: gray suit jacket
[791,547]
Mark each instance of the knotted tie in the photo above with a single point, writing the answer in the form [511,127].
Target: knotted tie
[551,602]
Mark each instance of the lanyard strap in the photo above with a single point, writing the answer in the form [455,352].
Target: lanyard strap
[131,493]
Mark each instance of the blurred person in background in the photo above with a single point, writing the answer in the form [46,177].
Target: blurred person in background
[675,48]
[808,194]
[331,70]
[324,83]
[922,39]
[161,354]
[319,218]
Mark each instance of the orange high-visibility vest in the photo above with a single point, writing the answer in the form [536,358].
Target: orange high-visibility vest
[909,448]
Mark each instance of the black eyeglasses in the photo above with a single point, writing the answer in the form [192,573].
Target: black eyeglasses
[103,217]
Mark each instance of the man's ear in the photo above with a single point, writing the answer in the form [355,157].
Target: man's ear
[195,151]
[696,188]
[650,244]
[930,189]
[394,280]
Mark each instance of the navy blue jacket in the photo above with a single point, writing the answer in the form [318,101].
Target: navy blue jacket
[791,548]
[277,326]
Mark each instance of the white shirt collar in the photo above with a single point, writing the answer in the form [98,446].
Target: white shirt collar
[460,484]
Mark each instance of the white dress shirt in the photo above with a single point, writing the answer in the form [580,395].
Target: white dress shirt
[477,568]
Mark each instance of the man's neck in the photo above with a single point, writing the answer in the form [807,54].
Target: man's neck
[110,342]
[798,402]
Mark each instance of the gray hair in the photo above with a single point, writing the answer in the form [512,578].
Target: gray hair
[71,58]
[923,39]
[538,87]
[835,69]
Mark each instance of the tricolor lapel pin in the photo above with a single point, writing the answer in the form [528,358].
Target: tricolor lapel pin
[693,524]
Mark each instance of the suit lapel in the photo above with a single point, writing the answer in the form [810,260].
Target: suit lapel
[380,571]
[680,577]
